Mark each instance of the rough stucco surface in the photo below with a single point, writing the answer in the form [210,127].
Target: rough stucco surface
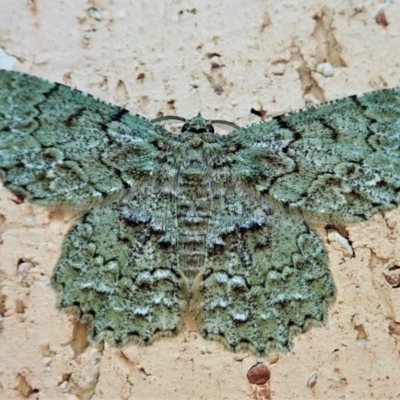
[223,58]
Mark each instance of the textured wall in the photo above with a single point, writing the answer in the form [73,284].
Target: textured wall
[181,57]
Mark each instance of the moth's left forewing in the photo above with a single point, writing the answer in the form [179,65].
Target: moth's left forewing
[338,161]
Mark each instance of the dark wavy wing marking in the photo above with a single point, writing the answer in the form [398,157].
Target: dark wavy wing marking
[114,274]
[339,161]
[264,286]
[59,145]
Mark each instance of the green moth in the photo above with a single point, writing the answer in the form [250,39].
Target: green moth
[216,226]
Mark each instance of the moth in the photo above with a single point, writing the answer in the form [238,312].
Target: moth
[219,227]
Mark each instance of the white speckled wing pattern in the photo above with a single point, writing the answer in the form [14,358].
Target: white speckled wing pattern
[61,146]
[115,274]
[265,285]
[196,221]
[338,161]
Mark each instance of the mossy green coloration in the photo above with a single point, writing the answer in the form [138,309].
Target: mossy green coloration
[218,226]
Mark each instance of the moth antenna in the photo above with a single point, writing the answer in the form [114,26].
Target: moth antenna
[223,122]
[169,118]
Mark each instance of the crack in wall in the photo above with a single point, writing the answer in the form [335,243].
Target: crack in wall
[328,48]
[309,85]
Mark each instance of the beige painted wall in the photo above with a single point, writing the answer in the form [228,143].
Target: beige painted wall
[223,58]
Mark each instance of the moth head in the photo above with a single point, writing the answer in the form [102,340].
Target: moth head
[197,125]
